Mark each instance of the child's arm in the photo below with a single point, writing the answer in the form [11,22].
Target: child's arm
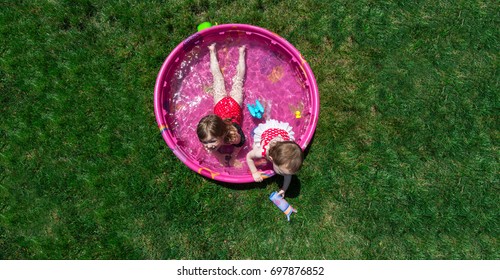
[254,153]
[220,157]
[234,162]
[286,184]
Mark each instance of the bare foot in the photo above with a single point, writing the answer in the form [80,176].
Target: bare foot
[242,49]
[212,47]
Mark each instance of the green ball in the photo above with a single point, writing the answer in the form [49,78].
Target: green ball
[204,25]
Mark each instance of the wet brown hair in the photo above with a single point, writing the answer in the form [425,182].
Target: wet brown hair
[287,153]
[213,125]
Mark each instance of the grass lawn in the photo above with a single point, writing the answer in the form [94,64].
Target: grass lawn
[404,163]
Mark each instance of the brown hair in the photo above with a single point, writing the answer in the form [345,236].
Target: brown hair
[287,153]
[213,125]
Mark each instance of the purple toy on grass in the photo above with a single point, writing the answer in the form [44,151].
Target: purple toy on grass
[282,204]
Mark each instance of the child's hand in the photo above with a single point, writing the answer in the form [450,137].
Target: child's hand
[257,177]
[236,163]
[282,193]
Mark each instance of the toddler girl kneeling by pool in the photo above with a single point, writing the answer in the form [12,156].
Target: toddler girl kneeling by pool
[223,128]
[274,141]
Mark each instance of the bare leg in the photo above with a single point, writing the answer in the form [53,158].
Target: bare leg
[237,89]
[219,87]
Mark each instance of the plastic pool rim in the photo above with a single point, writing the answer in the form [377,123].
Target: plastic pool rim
[169,62]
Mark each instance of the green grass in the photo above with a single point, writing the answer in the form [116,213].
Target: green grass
[404,163]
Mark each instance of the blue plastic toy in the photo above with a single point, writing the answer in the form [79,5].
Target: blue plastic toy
[282,204]
[256,110]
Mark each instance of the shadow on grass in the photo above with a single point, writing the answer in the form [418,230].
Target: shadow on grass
[292,192]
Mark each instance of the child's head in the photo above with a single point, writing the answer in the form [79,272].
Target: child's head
[214,132]
[287,157]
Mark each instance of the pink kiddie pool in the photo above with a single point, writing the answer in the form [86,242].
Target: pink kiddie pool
[276,75]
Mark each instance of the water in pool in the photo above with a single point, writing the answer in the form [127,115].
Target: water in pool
[271,77]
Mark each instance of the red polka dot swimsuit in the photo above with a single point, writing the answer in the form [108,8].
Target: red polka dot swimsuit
[266,132]
[269,135]
[228,108]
